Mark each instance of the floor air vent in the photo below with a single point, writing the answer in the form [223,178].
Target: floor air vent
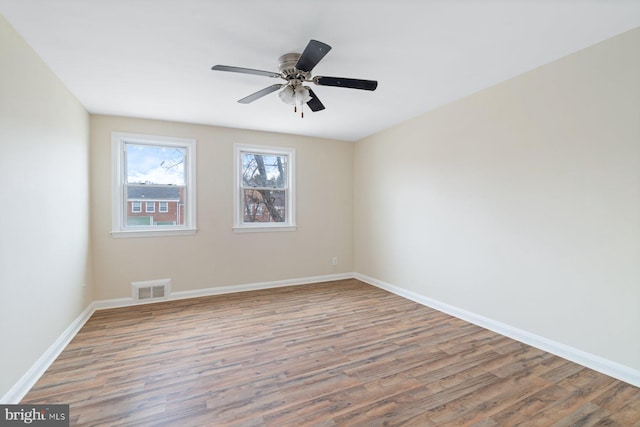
[151,290]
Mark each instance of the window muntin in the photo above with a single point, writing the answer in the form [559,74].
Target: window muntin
[163,207]
[153,169]
[264,188]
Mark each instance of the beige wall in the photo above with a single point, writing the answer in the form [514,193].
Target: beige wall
[216,256]
[44,208]
[520,203]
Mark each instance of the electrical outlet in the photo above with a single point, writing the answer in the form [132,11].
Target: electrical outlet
[334,260]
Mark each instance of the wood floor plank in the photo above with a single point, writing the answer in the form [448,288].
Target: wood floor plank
[331,354]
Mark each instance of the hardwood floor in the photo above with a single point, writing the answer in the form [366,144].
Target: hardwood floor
[340,353]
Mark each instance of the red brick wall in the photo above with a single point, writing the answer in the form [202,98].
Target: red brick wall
[171,215]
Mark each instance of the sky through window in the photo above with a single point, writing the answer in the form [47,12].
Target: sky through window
[152,164]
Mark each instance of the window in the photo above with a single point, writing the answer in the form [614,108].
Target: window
[264,188]
[152,169]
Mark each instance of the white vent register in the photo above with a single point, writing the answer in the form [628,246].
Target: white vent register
[151,290]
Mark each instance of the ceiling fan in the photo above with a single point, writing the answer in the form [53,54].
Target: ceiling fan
[295,69]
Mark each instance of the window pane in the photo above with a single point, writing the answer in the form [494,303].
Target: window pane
[262,170]
[264,206]
[154,164]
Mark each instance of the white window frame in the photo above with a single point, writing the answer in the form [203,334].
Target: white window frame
[239,226]
[136,206]
[119,226]
[163,207]
[153,207]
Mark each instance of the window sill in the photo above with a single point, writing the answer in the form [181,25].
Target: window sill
[153,233]
[263,228]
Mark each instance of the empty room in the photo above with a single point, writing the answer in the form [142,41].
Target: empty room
[303,213]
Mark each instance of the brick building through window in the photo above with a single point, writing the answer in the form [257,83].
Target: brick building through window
[155,205]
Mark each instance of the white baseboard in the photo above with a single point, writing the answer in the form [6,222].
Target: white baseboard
[592,361]
[219,290]
[24,384]
[260,285]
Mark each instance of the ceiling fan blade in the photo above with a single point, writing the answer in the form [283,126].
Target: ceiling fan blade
[343,82]
[314,103]
[259,94]
[244,70]
[312,54]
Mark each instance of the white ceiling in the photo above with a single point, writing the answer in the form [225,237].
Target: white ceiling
[153,58]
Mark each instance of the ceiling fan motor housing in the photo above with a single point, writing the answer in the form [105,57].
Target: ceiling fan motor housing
[288,68]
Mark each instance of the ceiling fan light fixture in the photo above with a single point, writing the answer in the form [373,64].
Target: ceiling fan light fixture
[295,94]
[287,95]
